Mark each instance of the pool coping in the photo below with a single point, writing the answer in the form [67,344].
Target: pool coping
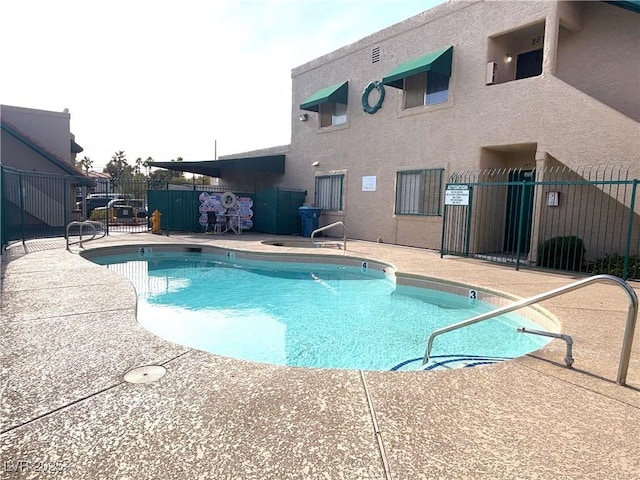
[371,420]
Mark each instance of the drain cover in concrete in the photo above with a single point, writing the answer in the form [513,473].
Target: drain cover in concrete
[147,374]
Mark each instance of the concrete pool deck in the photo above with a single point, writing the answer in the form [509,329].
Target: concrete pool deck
[69,334]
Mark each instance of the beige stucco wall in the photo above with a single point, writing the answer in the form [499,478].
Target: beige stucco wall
[49,129]
[602,58]
[17,155]
[547,113]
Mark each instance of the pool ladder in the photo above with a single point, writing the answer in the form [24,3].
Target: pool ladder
[627,340]
[333,244]
[94,229]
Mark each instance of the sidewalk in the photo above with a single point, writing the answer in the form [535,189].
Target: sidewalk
[70,334]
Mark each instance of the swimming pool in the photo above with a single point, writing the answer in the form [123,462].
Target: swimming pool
[310,314]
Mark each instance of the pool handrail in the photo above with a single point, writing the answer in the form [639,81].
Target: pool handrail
[327,227]
[92,225]
[630,325]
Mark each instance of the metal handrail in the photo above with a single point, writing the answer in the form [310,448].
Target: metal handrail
[94,228]
[630,325]
[327,227]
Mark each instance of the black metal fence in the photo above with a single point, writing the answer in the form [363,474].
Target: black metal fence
[559,218]
[40,205]
[37,204]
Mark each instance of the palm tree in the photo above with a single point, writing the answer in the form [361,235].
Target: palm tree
[118,167]
[147,165]
[86,163]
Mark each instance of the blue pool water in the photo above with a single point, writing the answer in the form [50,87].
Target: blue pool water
[310,315]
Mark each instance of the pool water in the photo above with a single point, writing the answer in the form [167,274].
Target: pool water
[310,315]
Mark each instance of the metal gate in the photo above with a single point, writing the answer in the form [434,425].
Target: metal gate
[584,220]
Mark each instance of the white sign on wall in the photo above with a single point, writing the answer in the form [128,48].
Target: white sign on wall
[456,195]
[369,183]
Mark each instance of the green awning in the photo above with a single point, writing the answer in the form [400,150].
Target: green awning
[215,168]
[438,61]
[632,5]
[337,93]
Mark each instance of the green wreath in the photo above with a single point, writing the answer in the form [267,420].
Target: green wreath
[365,97]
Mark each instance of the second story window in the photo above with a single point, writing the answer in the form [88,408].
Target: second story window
[428,88]
[424,80]
[332,114]
[330,103]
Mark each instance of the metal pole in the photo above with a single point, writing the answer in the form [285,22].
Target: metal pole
[520,222]
[444,229]
[627,250]
[21,186]
[568,359]
[66,189]
[467,239]
[3,215]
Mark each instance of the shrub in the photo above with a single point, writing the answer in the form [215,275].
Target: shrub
[613,264]
[562,253]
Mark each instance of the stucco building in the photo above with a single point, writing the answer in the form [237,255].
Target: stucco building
[39,140]
[380,125]
[39,177]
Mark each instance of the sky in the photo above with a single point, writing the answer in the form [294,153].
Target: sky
[168,79]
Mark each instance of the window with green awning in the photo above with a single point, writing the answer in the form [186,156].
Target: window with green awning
[438,62]
[424,80]
[337,93]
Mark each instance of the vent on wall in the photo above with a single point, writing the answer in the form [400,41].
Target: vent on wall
[375,55]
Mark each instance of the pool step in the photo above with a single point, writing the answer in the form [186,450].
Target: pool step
[448,362]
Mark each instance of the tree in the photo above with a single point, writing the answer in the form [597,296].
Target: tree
[147,165]
[159,179]
[86,163]
[118,167]
[201,180]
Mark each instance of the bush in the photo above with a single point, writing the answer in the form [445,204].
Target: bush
[562,253]
[613,264]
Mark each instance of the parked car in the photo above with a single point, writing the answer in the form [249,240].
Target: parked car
[97,200]
[121,210]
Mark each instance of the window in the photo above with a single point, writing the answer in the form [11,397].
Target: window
[333,114]
[427,88]
[329,192]
[330,103]
[418,192]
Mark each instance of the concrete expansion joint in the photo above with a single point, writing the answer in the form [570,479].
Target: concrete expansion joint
[63,407]
[86,397]
[74,314]
[376,429]
[172,359]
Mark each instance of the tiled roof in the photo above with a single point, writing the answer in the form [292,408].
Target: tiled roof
[39,148]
